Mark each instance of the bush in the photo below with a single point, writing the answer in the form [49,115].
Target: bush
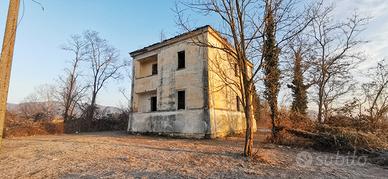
[102,123]
[16,126]
[348,139]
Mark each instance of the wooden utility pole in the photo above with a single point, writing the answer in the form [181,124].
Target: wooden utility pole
[6,58]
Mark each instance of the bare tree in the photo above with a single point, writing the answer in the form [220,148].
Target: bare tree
[28,108]
[70,90]
[376,93]
[124,90]
[103,64]
[40,104]
[233,15]
[335,57]
[47,96]
[243,25]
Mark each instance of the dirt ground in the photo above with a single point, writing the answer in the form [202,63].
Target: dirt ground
[119,155]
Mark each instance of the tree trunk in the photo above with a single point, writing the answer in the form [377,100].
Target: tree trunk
[273,118]
[249,131]
[91,111]
[320,104]
[326,112]
[249,120]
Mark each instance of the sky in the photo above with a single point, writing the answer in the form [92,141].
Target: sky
[38,59]
[128,25]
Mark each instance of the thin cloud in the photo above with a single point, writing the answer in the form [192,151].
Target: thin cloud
[376,31]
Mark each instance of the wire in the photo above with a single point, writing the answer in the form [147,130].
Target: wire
[20,21]
[40,4]
[7,44]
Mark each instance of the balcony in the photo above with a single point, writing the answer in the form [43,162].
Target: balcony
[146,67]
[146,84]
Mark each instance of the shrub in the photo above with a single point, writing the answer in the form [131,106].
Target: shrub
[112,122]
[16,126]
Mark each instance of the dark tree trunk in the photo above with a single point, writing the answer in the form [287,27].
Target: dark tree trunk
[249,123]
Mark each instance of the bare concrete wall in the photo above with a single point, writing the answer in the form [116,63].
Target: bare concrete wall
[225,117]
[226,122]
[144,66]
[167,119]
[210,111]
[144,101]
[182,123]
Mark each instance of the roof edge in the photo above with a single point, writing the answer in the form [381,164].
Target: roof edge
[155,45]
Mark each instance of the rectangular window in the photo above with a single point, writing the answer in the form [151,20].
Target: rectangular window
[181,59]
[153,103]
[154,69]
[238,103]
[181,100]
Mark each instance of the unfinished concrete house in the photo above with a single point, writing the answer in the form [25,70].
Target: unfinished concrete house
[178,88]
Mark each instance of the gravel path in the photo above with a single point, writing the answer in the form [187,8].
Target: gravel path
[118,155]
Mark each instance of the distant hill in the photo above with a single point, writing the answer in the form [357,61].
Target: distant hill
[109,109]
[12,107]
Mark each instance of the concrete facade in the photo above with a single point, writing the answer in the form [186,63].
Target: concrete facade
[208,111]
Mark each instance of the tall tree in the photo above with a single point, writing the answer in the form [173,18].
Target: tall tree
[335,57]
[70,90]
[271,65]
[103,64]
[243,27]
[234,15]
[376,93]
[298,87]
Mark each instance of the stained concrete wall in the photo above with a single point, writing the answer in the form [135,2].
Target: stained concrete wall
[144,101]
[224,84]
[211,108]
[182,123]
[190,122]
[226,122]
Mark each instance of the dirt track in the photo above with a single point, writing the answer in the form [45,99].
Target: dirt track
[118,155]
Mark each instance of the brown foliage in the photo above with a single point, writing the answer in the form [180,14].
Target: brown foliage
[283,137]
[340,133]
[16,126]
[294,120]
[353,139]
[290,120]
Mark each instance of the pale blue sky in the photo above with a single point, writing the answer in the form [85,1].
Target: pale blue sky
[127,25]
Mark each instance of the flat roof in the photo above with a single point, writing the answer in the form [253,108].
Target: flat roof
[161,44]
[149,48]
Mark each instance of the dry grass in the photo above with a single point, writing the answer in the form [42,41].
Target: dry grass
[283,137]
[267,156]
[16,126]
[356,139]
[108,155]
[340,133]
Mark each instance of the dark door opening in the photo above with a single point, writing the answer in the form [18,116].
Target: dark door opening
[181,100]
[153,103]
